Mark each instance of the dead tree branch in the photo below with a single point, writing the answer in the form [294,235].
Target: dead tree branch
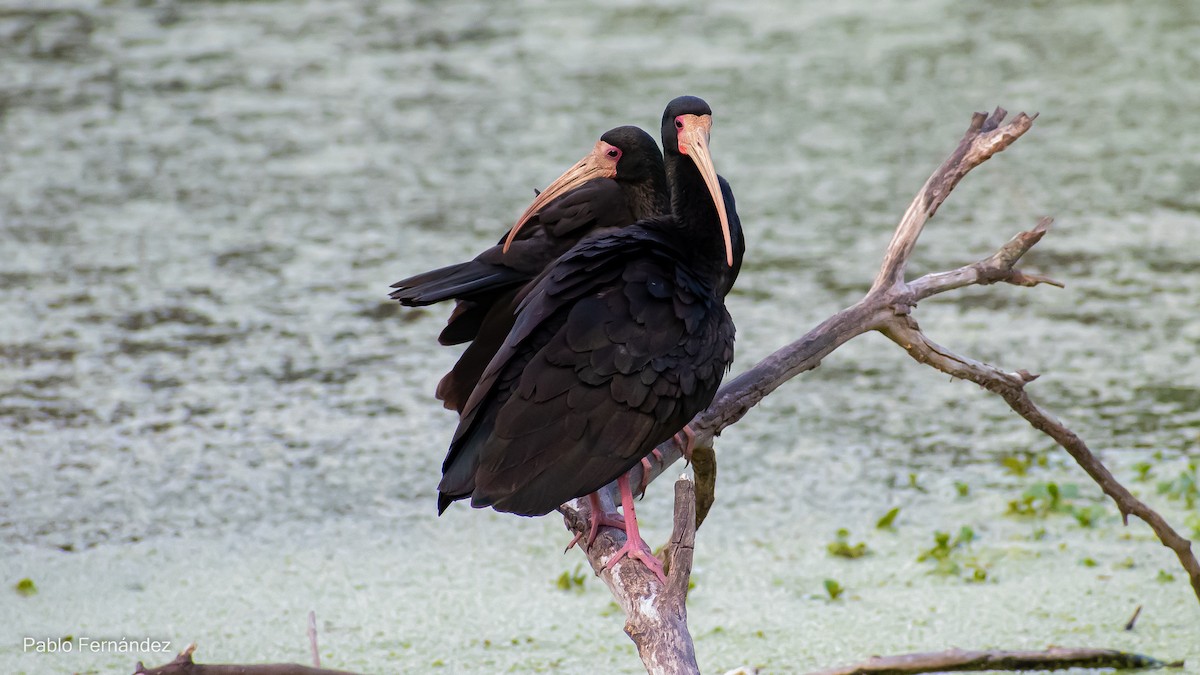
[887,308]
[958,660]
[183,665]
[983,138]
[1011,387]
[655,615]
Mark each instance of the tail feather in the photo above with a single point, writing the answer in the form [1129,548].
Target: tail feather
[455,281]
[466,319]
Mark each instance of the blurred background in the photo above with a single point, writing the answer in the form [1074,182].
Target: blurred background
[212,421]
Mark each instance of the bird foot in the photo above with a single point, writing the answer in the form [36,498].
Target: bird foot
[636,548]
[686,440]
[647,468]
[597,516]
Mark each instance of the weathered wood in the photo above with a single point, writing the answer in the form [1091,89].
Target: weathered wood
[183,665]
[997,268]
[984,137]
[655,614]
[960,660]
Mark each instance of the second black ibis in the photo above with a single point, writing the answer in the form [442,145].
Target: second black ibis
[620,182]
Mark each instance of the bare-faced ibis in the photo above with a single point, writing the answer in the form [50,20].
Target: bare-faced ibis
[615,347]
[620,182]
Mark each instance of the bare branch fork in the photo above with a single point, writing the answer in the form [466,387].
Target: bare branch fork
[886,308]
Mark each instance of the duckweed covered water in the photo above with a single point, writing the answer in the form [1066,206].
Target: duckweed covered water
[212,422]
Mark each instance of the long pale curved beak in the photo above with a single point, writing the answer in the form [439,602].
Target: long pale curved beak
[693,142]
[600,163]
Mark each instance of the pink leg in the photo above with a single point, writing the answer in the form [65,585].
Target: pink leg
[596,517]
[634,546]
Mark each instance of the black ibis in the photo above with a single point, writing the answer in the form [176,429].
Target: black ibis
[614,348]
[620,182]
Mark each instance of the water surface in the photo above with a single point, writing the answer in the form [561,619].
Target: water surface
[211,421]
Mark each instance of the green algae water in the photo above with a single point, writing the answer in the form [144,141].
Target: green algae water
[213,422]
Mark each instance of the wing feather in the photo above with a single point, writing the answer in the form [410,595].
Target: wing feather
[603,364]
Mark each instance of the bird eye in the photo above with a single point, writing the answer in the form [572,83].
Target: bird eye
[678,123]
[613,153]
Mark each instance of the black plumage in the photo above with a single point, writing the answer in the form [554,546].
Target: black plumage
[615,347]
[620,182]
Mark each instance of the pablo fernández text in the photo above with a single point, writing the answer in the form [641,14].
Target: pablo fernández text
[68,645]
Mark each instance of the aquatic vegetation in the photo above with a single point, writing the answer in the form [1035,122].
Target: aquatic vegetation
[1043,499]
[912,483]
[25,587]
[949,557]
[978,572]
[1143,471]
[834,589]
[1017,466]
[1183,486]
[888,519]
[1193,521]
[1019,463]
[568,581]
[842,548]
[1087,516]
